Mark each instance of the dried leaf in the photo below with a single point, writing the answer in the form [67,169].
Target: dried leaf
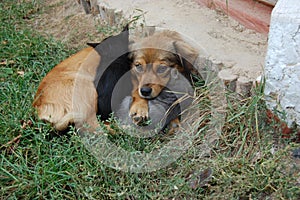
[21,73]
[7,62]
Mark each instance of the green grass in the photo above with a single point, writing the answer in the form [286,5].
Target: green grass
[34,164]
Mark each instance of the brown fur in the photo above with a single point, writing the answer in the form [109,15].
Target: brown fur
[153,60]
[67,94]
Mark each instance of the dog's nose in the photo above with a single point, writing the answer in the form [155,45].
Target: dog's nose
[146,91]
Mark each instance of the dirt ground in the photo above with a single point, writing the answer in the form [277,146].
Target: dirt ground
[66,21]
[226,41]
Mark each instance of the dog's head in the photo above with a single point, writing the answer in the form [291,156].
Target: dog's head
[158,58]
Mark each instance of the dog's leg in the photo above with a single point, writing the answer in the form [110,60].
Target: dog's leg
[173,126]
[138,109]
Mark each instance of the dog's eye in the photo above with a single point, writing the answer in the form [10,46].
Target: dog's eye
[161,69]
[138,67]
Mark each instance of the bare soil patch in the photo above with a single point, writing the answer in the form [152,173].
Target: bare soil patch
[66,21]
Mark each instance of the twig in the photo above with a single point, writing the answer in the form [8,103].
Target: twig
[12,141]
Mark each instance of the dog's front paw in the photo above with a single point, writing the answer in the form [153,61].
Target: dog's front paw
[139,114]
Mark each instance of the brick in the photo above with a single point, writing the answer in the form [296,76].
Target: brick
[251,14]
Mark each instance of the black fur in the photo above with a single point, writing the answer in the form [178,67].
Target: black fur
[113,65]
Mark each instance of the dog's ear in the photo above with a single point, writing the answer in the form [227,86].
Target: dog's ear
[131,56]
[91,44]
[126,27]
[187,55]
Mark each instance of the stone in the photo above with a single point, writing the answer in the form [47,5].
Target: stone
[228,78]
[243,86]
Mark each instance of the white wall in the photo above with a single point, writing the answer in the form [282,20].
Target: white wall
[282,69]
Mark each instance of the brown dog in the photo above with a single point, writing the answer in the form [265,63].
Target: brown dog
[54,100]
[155,60]
[68,93]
